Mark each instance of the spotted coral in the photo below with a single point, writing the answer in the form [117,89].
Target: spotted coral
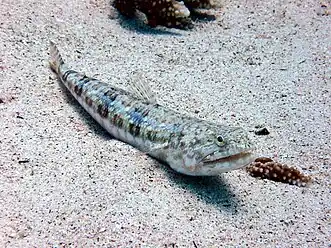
[269,169]
[169,13]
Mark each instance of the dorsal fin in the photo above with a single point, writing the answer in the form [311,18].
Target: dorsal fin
[140,87]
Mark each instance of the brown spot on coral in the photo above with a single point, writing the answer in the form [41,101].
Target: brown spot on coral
[125,8]
[269,169]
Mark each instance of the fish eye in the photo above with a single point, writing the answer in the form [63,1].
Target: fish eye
[220,140]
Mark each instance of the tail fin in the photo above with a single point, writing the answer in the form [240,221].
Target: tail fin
[55,60]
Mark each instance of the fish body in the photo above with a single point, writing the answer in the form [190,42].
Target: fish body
[189,145]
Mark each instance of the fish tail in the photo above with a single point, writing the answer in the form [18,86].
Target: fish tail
[55,60]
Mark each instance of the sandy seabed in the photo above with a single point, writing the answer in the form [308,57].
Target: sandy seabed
[66,183]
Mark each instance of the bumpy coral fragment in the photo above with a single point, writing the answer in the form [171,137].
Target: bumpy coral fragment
[169,13]
[269,169]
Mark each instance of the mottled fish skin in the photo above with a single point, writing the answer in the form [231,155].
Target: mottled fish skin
[169,13]
[189,145]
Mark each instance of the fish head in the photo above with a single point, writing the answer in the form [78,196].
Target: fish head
[206,149]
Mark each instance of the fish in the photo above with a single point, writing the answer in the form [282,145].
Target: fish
[189,145]
[168,13]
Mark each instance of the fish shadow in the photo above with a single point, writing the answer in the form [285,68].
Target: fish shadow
[88,120]
[213,190]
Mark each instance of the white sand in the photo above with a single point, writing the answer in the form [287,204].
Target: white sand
[63,180]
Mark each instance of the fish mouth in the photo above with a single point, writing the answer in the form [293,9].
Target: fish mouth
[212,159]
